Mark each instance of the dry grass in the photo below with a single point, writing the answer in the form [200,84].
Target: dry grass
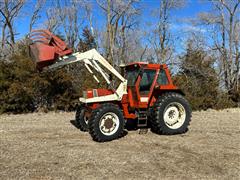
[48,146]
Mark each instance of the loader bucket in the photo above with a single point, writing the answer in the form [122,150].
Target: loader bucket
[46,48]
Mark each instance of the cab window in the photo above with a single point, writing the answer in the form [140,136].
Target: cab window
[147,80]
[162,77]
[131,76]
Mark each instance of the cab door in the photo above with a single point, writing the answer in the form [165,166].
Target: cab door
[140,86]
[146,84]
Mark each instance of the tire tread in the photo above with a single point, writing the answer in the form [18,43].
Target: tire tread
[80,122]
[94,117]
[156,126]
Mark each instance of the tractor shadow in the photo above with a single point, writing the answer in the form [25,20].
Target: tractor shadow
[131,126]
[124,133]
[74,123]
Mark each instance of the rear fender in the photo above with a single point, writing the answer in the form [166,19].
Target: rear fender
[179,91]
[158,93]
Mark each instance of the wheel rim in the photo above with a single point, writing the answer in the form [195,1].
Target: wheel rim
[109,124]
[174,115]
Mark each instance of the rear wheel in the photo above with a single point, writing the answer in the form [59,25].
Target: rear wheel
[171,114]
[81,119]
[106,123]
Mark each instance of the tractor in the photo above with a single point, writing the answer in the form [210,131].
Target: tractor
[145,94]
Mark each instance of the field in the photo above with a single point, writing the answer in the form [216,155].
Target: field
[48,146]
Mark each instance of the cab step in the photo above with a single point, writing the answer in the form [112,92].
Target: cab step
[142,119]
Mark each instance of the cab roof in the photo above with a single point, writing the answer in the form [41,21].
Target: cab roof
[145,65]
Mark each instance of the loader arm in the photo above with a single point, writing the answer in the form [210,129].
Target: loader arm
[89,58]
[93,59]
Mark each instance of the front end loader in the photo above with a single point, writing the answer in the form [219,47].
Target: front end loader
[145,95]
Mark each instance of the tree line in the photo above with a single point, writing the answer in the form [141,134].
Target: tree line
[206,66]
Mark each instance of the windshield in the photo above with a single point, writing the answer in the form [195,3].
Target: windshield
[131,76]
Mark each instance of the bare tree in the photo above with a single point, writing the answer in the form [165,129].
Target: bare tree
[68,17]
[71,18]
[117,14]
[3,26]
[9,10]
[52,22]
[35,16]
[89,16]
[135,48]
[128,24]
[161,38]
[226,24]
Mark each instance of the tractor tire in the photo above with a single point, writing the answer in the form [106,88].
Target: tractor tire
[171,114]
[80,119]
[106,123]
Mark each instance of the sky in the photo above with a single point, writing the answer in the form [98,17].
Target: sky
[192,8]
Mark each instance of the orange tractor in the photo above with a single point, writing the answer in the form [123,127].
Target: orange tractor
[146,94]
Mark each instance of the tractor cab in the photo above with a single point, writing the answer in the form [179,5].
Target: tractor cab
[145,82]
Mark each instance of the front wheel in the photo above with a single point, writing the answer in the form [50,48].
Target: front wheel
[106,123]
[171,114]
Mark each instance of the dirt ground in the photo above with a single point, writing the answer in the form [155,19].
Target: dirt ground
[48,146]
